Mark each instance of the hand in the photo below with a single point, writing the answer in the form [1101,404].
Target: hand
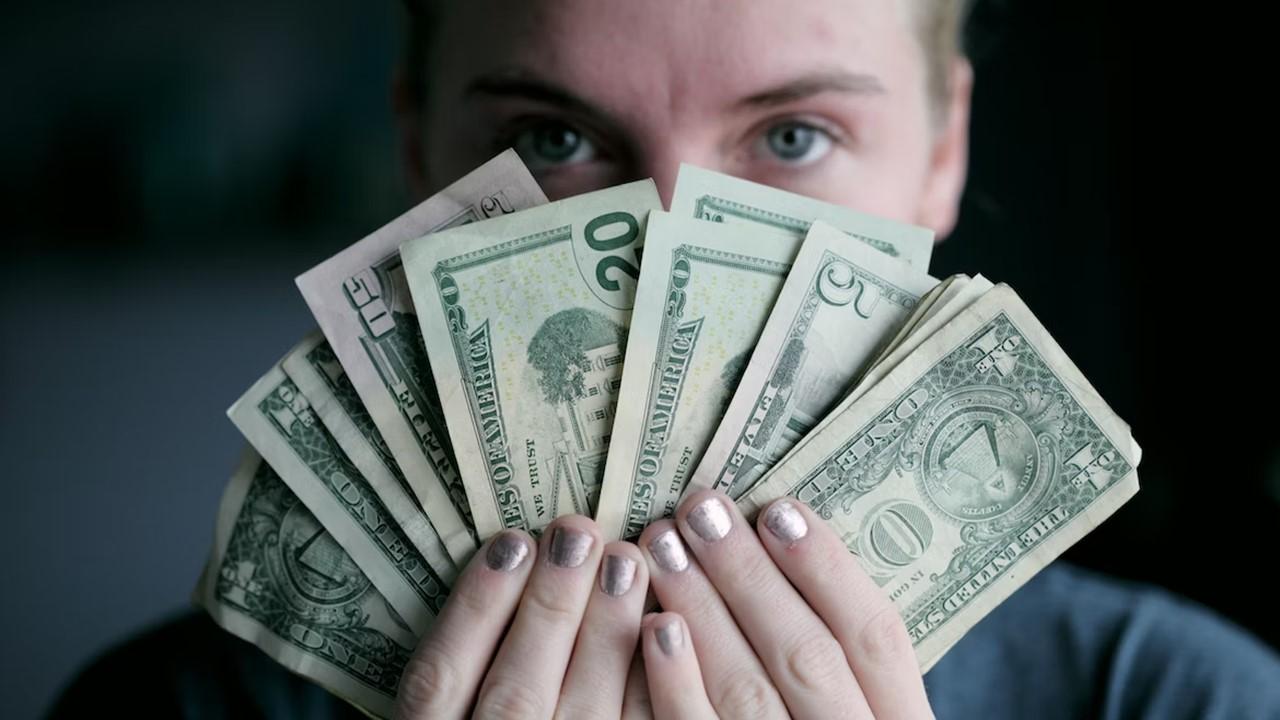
[769,621]
[568,648]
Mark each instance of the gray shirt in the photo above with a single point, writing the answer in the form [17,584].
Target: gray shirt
[1068,644]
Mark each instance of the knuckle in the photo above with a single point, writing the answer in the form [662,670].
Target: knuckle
[426,684]
[883,638]
[752,570]
[509,701]
[816,664]
[575,708]
[470,600]
[552,605]
[747,694]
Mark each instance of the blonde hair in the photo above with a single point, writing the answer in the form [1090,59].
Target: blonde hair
[939,26]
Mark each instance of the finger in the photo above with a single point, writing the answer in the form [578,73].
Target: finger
[635,701]
[441,677]
[860,615]
[524,680]
[736,682]
[802,657]
[597,676]
[675,681]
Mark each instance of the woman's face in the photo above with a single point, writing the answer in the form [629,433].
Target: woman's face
[822,97]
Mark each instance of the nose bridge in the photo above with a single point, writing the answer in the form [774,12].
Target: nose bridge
[662,157]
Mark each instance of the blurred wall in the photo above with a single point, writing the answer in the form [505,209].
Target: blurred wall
[170,167]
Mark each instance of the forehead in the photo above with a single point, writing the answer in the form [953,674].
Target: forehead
[673,51]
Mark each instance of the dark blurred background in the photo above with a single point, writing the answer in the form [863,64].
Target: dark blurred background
[169,167]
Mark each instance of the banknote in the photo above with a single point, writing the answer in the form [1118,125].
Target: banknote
[959,295]
[705,292]
[276,578]
[361,303]
[314,368]
[525,322]
[841,301]
[974,462]
[278,421]
[709,195]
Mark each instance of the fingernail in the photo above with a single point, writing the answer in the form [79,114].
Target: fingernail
[618,574]
[786,522]
[670,637]
[569,547]
[710,519]
[506,552]
[668,552]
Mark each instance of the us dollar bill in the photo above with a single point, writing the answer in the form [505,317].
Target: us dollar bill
[972,464]
[360,301]
[525,321]
[314,368]
[839,304]
[704,295]
[276,578]
[713,196]
[279,422]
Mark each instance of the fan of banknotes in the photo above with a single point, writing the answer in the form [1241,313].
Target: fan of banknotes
[490,360]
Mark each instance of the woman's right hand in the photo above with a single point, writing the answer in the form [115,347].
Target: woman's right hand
[574,607]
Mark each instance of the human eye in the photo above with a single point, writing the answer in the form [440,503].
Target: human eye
[545,144]
[794,142]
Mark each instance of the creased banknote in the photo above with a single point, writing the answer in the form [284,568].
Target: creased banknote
[525,322]
[966,468]
[361,303]
[704,295]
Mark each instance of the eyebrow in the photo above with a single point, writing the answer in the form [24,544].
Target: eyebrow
[515,83]
[816,83]
[520,85]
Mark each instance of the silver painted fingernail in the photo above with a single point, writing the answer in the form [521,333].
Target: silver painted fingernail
[710,519]
[670,637]
[668,552]
[506,552]
[618,574]
[785,522]
[569,547]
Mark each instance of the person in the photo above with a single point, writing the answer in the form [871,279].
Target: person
[859,102]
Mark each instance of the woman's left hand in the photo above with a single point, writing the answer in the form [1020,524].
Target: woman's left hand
[769,621]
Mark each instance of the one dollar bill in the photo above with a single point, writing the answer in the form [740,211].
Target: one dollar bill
[525,321]
[277,419]
[979,458]
[276,578]
[314,368]
[361,302]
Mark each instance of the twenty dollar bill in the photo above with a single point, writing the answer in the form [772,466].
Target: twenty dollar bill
[705,292]
[525,321]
